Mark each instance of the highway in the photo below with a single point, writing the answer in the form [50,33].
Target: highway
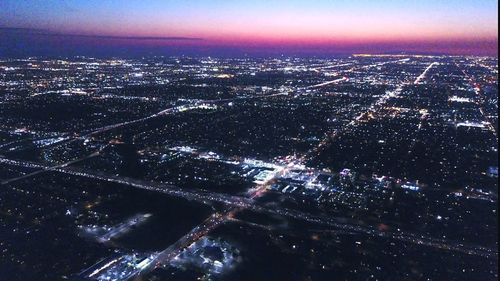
[336,81]
[237,203]
[123,227]
[422,76]
[107,128]
[332,135]
[480,99]
[43,169]
[194,235]
[101,130]
[234,204]
[378,104]
[167,111]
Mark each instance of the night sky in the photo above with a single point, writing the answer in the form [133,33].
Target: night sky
[270,27]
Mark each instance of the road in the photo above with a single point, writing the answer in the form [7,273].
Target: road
[107,128]
[378,104]
[234,204]
[43,169]
[238,203]
[480,99]
[212,222]
[336,81]
[422,76]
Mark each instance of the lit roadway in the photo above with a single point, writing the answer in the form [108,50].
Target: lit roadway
[480,99]
[355,68]
[211,223]
[242,203]
[123,227]
[164,112]
[42,169]
[336,81]
[199,196]
[237,203]
[422,76]
[379,103]
[168,111]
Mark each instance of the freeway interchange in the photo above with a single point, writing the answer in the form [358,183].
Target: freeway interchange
[236,203]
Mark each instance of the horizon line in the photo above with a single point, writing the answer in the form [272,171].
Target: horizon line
[42,32]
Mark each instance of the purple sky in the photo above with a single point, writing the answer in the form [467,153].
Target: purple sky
[296,26]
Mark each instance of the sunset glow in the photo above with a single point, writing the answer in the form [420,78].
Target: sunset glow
[425,26]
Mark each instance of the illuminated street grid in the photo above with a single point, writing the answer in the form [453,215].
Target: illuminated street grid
[397,149]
